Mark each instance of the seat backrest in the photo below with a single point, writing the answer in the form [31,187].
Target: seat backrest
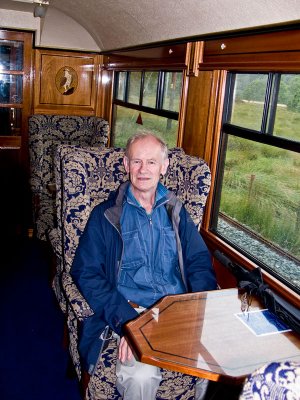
[46,132]
[89,175]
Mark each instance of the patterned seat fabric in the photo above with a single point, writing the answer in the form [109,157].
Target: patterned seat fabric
[84,178]
[273,381]
[46,132]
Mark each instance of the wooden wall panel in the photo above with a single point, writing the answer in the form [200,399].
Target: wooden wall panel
[170,57]
[197,113]
[276,51]
[203,119]
[65,83]
[105,91]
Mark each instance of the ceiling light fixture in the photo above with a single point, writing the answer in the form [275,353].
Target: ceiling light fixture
[40,8]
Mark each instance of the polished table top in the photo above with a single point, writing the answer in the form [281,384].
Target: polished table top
[201,334]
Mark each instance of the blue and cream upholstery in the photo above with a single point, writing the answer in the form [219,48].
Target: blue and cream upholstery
[46,132]
[84,178]
[273,381]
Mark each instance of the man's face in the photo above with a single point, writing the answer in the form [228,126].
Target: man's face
[145,164]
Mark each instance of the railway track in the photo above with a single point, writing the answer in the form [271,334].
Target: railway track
[259,238]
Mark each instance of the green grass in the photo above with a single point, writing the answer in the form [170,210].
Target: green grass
[287,123]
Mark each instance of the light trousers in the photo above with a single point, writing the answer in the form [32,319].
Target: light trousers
[137,381]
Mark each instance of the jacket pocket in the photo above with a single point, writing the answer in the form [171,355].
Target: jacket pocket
[133,255]
[169,249]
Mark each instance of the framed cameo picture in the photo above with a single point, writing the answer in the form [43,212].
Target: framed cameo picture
[66,80]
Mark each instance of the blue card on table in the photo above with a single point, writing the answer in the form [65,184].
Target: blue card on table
[262,322]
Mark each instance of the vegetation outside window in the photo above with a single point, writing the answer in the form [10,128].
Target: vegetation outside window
[146,100]
[172,91]
[150,89]
[120,90]
[257,197]
[134,88]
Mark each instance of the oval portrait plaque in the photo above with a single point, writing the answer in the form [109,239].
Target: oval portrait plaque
[66,80]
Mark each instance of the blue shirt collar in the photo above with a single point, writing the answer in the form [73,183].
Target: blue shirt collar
[160,196]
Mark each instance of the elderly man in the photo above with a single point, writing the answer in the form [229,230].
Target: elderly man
[137,247]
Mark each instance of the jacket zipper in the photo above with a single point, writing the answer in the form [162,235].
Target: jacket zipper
[151,239]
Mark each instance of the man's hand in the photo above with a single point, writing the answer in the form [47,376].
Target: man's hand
[125,352]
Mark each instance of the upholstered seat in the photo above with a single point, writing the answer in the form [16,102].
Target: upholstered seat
[46,132]
[84,178]
[273,381]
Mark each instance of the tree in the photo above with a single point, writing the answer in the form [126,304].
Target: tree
[255,91]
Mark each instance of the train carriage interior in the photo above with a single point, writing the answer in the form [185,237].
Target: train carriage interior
[219,81]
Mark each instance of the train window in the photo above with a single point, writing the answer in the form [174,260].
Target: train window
[286,121]
[134,87]
[120,89]
[246,111]
[150,89]
[125,125]
[146,100]
[172,90]
[257,195]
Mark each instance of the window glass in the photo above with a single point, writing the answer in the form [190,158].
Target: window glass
[121,84]
[287,120]
[11,55]
[257,196]
[150,89]
[134,87]
[11,88]
[260,204]
[172,91]
[125,125]
[248,100]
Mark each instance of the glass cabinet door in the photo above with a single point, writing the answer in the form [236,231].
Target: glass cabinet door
[16,83]
[11,86]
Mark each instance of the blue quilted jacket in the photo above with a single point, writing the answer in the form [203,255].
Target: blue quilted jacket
[97,263]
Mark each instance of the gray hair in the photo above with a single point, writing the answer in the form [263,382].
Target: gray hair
[143,135]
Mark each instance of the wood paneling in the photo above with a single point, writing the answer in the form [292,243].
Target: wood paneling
[271,42]
[10,142]
[49,96]
[171,57]
[279,51]
[197,113]
[105,91]
[194,56]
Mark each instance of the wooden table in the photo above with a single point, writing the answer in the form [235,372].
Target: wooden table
[201,335]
